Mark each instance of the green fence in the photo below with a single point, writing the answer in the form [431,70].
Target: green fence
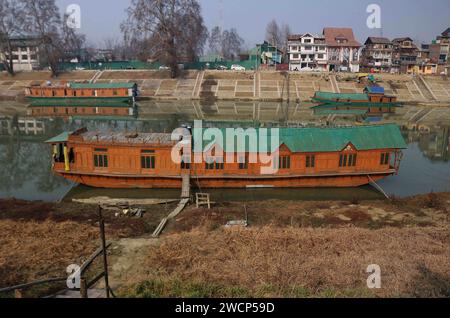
[116,65]
[127,65]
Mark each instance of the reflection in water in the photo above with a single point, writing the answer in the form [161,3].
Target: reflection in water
[25,170]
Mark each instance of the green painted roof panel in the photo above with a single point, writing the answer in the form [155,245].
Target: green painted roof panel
[334,96]
[60,138]
[308,140]
[101,85]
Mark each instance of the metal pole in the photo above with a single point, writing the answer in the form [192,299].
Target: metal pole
[105,256]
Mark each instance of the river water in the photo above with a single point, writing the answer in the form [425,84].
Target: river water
[25,168]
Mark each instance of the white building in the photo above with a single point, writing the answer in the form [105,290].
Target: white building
[25,53]
[307,52]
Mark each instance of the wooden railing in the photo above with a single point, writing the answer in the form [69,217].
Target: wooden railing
[85,283]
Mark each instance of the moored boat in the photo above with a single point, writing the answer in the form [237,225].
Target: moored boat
[305,157]
[102,92]
[373,101]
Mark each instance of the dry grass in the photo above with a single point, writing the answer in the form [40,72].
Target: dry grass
[273,262]
[37,250]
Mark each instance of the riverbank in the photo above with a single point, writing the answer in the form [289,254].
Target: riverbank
[239,86]
[290,249]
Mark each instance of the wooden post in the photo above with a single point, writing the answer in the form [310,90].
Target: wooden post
[83,288]
[105,255]
[18,293]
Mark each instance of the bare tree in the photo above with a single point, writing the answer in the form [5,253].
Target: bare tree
[231,44]
[227,43]
[11,24]
[42,18]
[169,28]
[71,42]
[273,33]
[215,41]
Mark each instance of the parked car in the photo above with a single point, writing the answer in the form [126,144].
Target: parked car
[237,67]
[221,68]
[164,68]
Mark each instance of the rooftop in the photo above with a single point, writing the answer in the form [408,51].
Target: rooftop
[310,140]
[332,35]
[101,85]
[377,40]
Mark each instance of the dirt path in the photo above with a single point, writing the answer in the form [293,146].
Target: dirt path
[127,258]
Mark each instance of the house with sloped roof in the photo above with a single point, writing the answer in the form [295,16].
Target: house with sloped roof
[343,49]
[405,56]
[376,56]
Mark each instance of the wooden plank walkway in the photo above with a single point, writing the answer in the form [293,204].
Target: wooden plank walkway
[186,187]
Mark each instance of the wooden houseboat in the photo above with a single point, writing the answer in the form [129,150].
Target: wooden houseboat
[373,101]
[119,92]
[82,107]
[308,157]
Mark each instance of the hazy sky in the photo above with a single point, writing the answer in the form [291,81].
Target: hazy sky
[422,20]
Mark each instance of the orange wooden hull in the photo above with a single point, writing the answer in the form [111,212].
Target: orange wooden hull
[148,182]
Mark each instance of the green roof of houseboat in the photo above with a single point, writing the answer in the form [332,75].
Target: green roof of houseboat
[60,138]
[343,97]
[329,111]
[312,140]
[102,85]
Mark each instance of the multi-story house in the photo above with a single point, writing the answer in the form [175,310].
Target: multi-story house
[376,55]
[307,52]
[25,53]
[405,56]
[440,51]
[343,49]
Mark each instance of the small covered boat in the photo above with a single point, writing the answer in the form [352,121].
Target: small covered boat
[373,101]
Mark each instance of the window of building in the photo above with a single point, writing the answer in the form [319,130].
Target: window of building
[295,56]
[243,163]
[284,162]
[217,164]
[148,159]
[100,158]
[385,159]
[307,40]
[310,161]
[115,92]
[320,56]
[347,160]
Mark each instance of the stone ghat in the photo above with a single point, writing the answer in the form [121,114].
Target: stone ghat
[229,85]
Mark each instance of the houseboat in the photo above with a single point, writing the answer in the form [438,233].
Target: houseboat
[119,92]
[373,101]
[306,157]
[82,107]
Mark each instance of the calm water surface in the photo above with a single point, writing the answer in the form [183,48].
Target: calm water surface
[25,171]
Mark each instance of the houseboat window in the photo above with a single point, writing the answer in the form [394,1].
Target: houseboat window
[185,165]
[284,162]
[310,161]
[347,160]
[385,158]
[148,159]
[218,164]
[243,163]
[114,92]
[100,160]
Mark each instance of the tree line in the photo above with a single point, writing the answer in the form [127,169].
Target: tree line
[169,31]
